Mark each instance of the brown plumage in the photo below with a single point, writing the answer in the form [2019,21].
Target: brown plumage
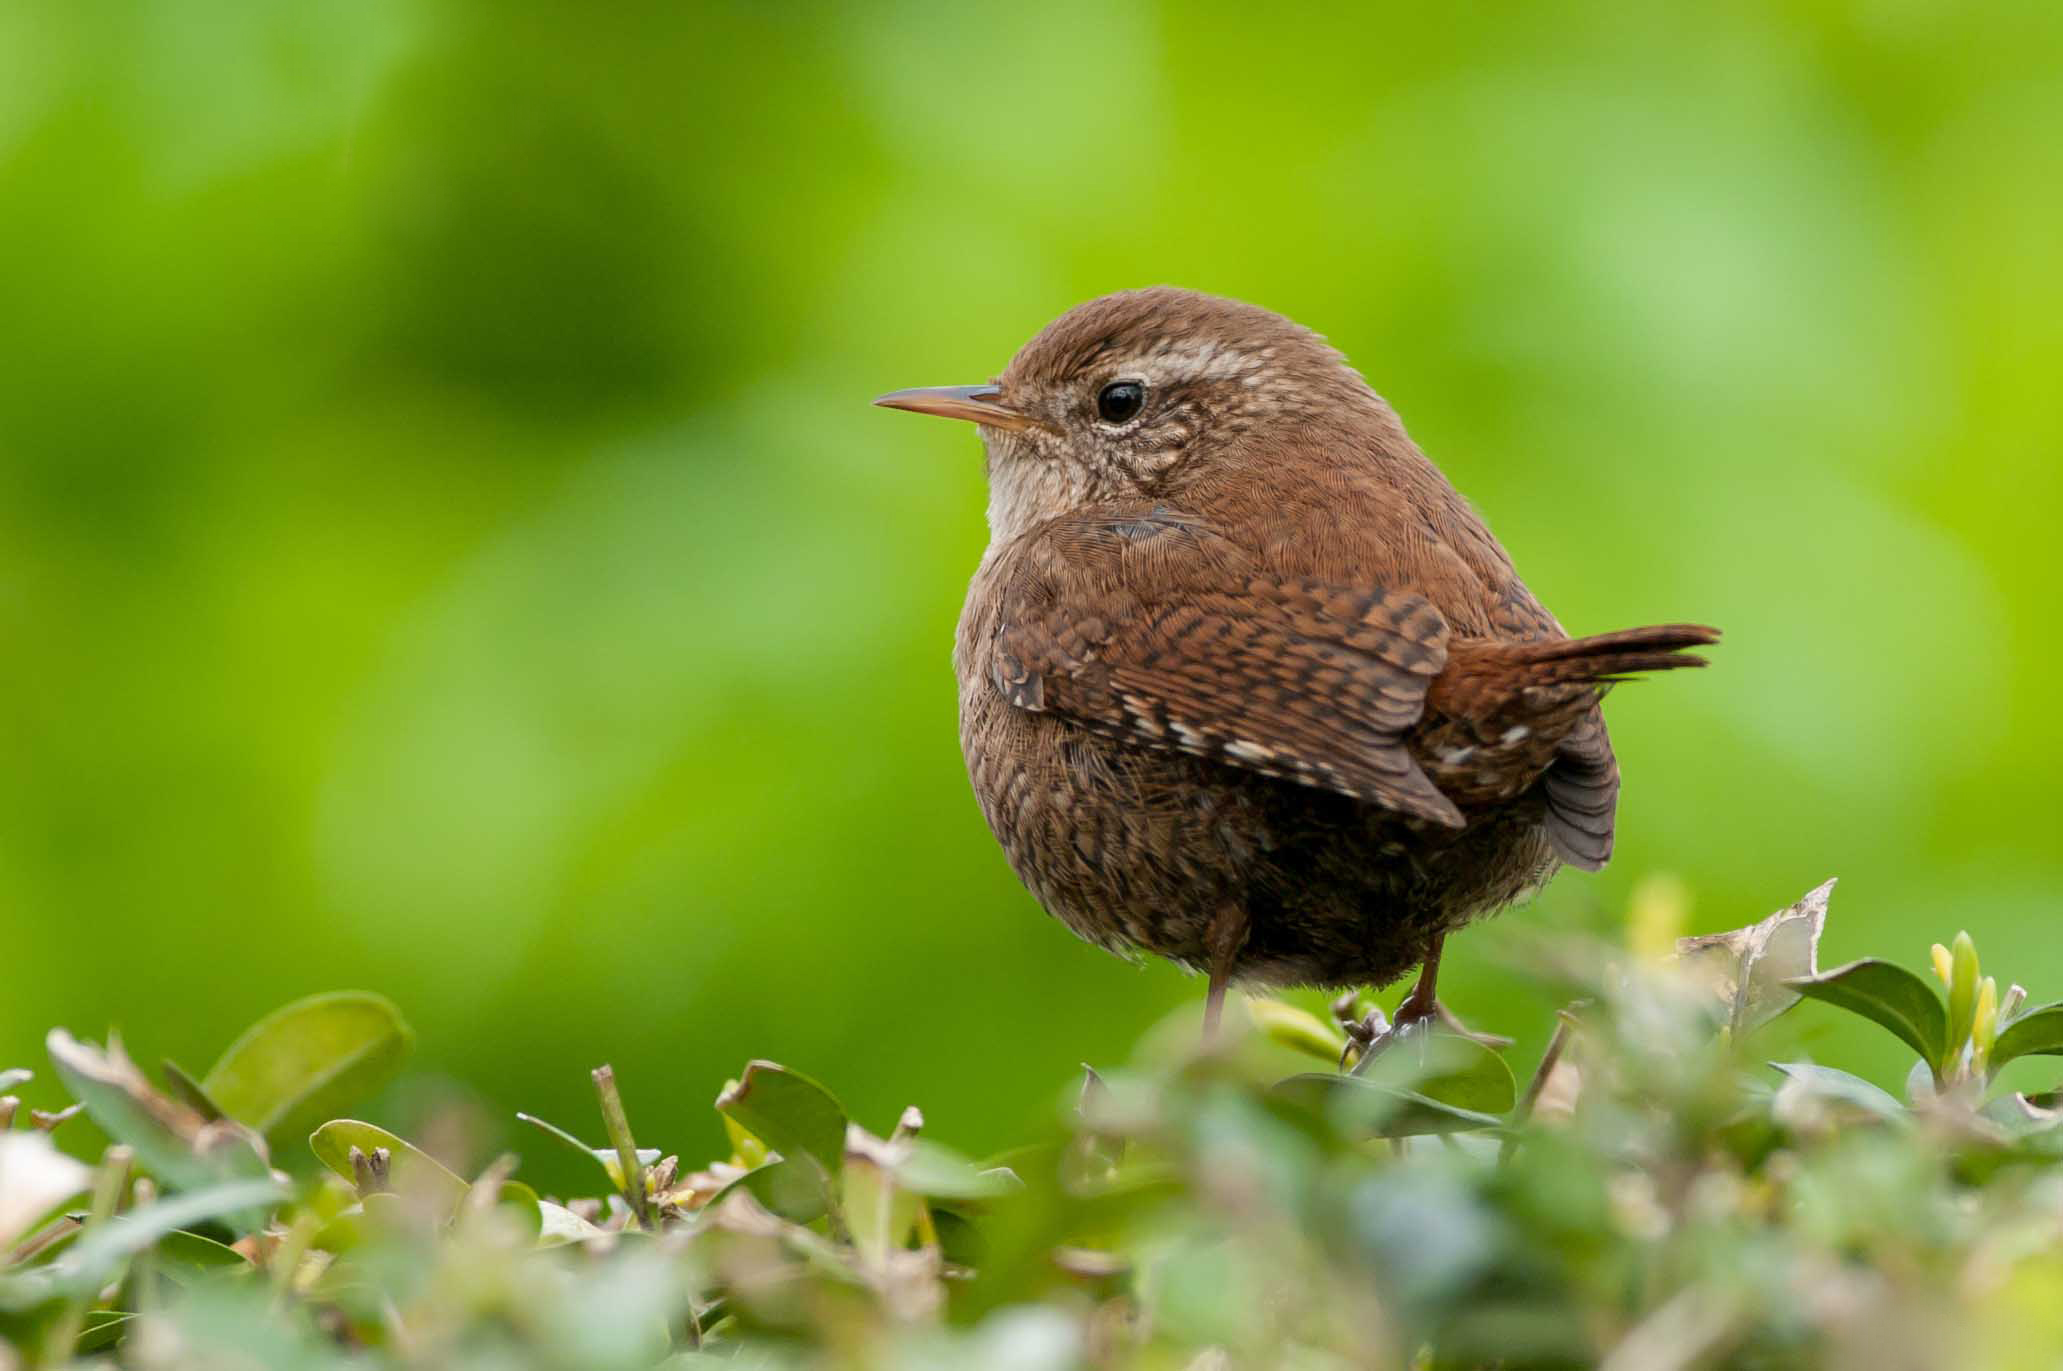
[1244,682]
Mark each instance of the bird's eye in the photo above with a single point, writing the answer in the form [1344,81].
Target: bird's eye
[1119,401]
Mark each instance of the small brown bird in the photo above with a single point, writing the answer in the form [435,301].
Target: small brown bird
[1244,682]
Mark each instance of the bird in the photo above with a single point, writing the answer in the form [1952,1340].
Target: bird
[1244,682]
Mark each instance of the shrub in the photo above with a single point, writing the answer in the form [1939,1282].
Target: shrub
[1653,1197]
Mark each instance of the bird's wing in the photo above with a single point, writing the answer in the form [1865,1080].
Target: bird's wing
[1582,788]
[1140,627]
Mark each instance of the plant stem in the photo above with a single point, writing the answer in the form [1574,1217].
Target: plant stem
[1564,1022]
[108,1186]
[614,1120]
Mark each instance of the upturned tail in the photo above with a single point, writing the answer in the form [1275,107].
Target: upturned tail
[1485,674]
[1606,657]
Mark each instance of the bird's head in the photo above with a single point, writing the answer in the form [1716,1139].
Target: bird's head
[1140,393]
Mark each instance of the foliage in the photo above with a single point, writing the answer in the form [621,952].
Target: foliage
[1654,1197]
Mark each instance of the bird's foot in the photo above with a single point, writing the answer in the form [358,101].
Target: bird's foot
[1375,1034]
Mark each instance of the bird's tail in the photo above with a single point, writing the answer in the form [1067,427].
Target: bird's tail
[1485,677]
[1606,657]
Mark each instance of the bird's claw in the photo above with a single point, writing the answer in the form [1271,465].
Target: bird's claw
[1374,1035]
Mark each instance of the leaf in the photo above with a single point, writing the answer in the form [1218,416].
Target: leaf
[1297,1029]
[93,1259]
[306,1062]
[1826,1084]
[1890,995]
[2037,1033]
[1751,969]
[937,1172]
[35,1178]
[517,1199]
[189,1091]
[879,1214]
[605,1157]
[792,1190]
[188,1257]
[170,1138]
[790,1113]
[1448,1069]
[1360,1107]
[559,1225]
[410,1170]
[102,1329]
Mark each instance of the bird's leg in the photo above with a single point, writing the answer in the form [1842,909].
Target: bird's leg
[1421,1006]
[1422,1003]
[1222,941]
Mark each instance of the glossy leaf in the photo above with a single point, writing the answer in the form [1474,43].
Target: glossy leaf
[2037,1033]
[790,1113]
[1886,994]
[308,1061]
[411,1171]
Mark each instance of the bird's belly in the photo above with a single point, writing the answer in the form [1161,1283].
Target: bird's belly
[1136,849]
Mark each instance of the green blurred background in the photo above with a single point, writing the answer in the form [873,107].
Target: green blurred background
[445,546]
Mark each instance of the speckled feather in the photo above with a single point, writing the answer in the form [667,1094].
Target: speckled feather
[1253,651]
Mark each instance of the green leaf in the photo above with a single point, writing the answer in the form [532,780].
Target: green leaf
[1448,1069]
[1363,1108]
[879,1214]
[1962,991]
[102,1329]
[410,1170]
[520,1201]
[171,1140]
[937,1172]
[1297,1029]
[790,1113]
[791,1190]
[188,1257]
[559,1225]
[2037,1033]
[1827,1084]
[189,1092]
[605,1157]
[1890,995]
[305,1062]
[94,1258]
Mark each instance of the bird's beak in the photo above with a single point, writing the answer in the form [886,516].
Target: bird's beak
[976,404]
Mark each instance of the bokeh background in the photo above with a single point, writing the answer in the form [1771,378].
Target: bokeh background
[445,547]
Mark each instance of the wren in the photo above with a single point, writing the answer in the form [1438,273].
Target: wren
[1244,681]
